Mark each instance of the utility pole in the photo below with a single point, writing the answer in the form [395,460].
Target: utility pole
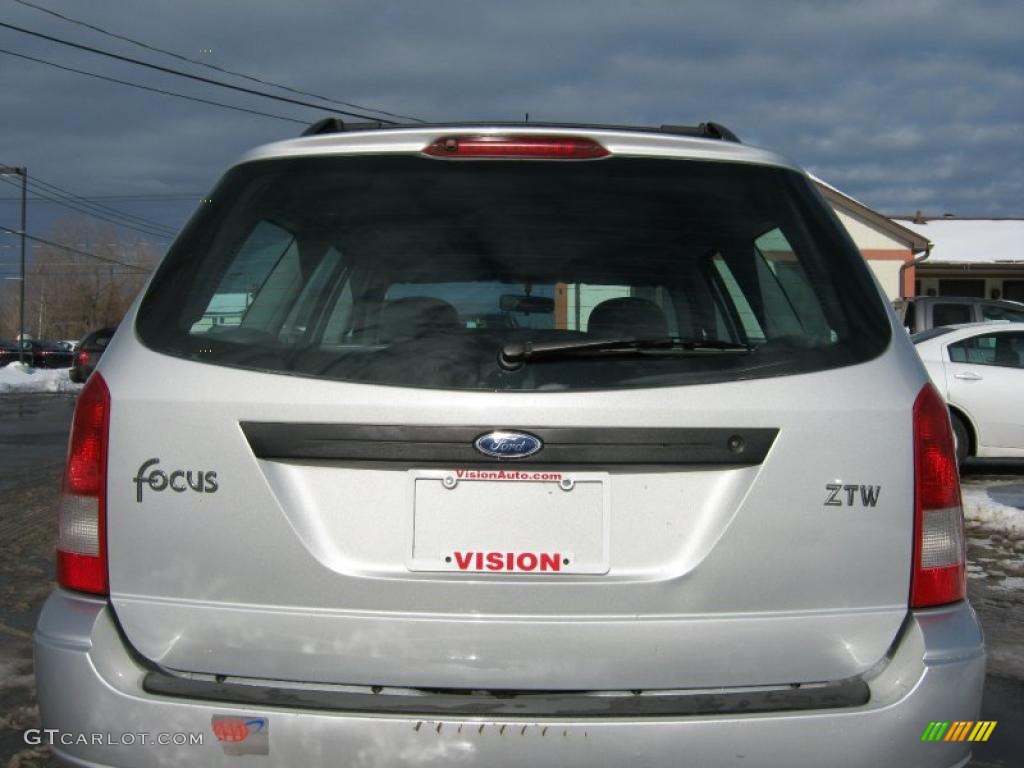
[23,172]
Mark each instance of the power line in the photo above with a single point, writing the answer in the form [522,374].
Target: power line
[61,192]
[110,267]
[152,232]
[178,56]
[154,196]
[68,248]
[93,214]
[122,244]
[190,76]
[153,90]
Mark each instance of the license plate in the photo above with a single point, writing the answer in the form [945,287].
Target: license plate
[509,521]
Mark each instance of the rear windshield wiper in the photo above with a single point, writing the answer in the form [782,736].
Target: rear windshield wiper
[513,355]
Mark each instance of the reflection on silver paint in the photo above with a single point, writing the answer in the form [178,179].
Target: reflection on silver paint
[83,667]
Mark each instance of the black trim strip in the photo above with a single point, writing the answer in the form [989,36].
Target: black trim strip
[562,445]
[852,692]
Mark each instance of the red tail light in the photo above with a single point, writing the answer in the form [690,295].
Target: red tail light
[81,527]
[515,147]
[83,358]
[939,552]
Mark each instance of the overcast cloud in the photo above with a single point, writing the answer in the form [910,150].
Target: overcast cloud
[906,105]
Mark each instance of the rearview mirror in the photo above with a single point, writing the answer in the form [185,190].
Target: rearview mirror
[531,305]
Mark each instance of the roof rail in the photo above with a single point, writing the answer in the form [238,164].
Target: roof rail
[337,125]
[707,130]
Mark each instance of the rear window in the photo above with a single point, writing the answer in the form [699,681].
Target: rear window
[951,314]
[410,271]
[999,313]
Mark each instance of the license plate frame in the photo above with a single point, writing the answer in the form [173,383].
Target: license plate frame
[437,542]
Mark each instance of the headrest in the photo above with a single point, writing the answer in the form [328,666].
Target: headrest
[415,316]
[628,316]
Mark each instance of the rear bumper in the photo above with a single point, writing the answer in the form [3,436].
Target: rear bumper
[90,683]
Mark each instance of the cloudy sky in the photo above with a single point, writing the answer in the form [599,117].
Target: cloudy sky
[904,104]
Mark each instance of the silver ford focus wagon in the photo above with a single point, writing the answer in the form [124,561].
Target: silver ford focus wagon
[510,445]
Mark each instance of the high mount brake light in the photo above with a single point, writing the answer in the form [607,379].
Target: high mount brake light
[939,551]
[516,147]
[81,520]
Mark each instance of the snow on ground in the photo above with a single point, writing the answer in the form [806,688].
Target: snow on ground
[980,511]
[21,378]
[995,537]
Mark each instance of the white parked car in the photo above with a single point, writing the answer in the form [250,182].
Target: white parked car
[979,369]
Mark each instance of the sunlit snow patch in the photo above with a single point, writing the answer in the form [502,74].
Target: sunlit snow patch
[22,378]
[980,511]
[996,540]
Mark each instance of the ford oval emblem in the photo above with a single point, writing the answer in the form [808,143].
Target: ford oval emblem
[508,445]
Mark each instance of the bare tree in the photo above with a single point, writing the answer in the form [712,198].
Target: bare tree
[68,294]
[8,309]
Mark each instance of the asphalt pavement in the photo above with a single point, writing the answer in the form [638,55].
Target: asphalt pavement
[33,434]
[33,439]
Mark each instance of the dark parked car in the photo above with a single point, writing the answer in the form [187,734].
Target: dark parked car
[8,352]
[46,354]
[89,351]
[923,312]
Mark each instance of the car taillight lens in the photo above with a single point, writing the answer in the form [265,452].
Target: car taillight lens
[81,521]
[83,358]
[939,553]
[516,147]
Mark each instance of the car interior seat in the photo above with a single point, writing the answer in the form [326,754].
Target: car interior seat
[1005,354]
[627,316]
[415,316]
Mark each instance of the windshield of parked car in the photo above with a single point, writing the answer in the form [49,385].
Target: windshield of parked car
[410,271]
[931,333]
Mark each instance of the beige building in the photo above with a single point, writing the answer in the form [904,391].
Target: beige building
[892,250]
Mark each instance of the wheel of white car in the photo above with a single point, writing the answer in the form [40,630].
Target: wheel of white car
[961,438]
